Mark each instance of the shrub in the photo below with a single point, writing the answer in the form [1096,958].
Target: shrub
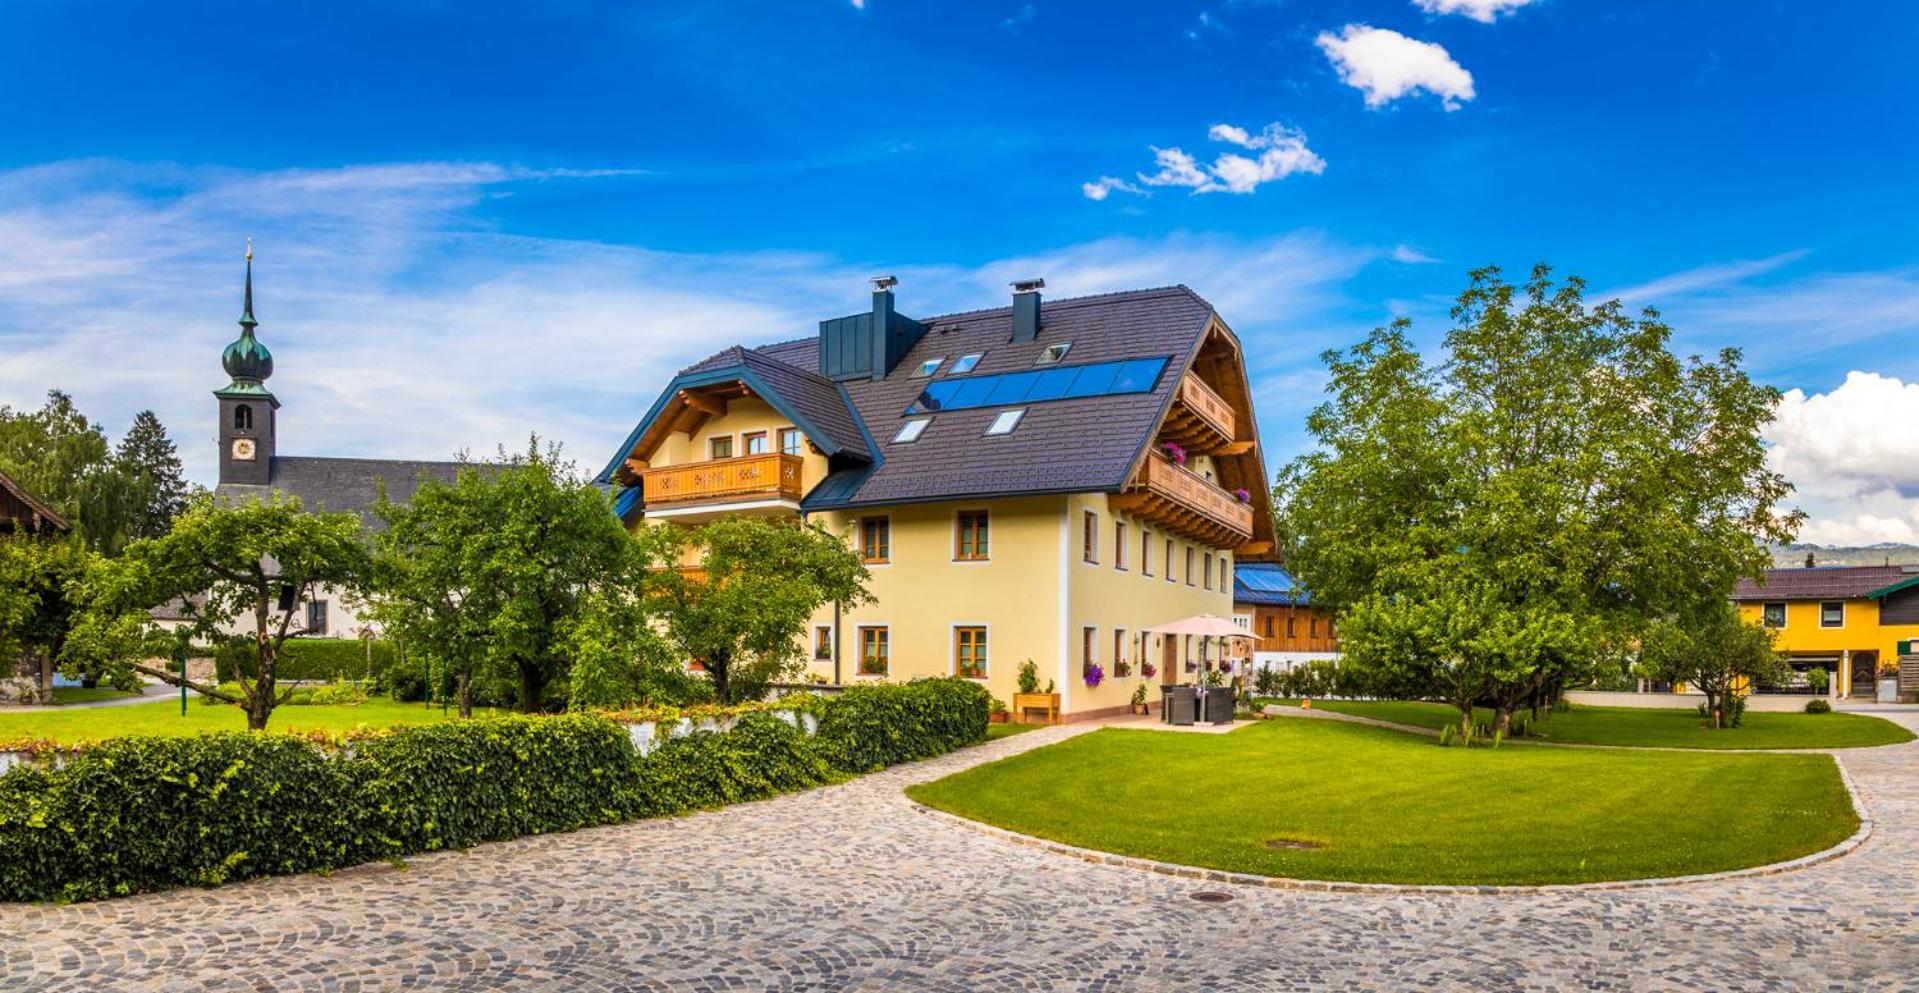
[1028,676]
[300,698]
[309,659]
[336,695]
[136,814]
[460,783]
[1818,706]
[871,727]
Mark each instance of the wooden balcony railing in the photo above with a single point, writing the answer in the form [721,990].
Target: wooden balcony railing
[1199,421]
[1185,503]
[772,476]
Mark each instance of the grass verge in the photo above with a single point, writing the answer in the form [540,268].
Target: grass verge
[89,724]
[1648,726]
[1372,805]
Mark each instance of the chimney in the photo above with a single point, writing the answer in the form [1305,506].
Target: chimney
[1026,309]
[882,323]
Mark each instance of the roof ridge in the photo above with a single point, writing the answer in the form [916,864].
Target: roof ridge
[1085,300]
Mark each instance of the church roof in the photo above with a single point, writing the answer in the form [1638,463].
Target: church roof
[346,485]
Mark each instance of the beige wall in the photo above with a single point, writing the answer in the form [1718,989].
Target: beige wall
[1037,596]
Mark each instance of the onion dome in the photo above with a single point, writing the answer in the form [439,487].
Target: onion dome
[246,360]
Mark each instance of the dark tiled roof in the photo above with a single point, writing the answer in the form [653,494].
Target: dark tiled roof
[811,395]
[1268,584]
[1827,583]
[1072,445]
[346,485]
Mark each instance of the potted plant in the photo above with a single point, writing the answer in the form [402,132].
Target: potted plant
[1094,676]
[1030,697]
[1138,704]
[1175,452]
[1122,668]
[1148,670]
[1243,495]
[999,714]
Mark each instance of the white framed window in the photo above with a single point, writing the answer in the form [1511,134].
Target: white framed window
[928,367]
[1006,421]
[964,364]
[1054,353]
[910,431]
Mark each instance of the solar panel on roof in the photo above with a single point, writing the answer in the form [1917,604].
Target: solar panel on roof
[1094,379]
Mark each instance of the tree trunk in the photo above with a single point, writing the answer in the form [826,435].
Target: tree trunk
[717,666]
[260,706]
[1503,721]
[466,695]
[1465,722]
[530,687]
[43,681]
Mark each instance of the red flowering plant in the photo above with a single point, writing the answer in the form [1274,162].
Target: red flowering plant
[1148,669]
[1176,453]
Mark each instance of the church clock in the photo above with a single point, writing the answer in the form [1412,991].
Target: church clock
[243,449]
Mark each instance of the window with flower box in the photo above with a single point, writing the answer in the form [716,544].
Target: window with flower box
[873,651]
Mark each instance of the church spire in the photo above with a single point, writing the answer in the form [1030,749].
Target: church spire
[246,312]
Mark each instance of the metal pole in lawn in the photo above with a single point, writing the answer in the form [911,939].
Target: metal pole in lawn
[180,656]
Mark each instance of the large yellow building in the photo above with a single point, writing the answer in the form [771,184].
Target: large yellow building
[1039,482]
[1851,621]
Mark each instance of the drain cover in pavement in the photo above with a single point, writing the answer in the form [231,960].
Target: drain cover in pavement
[1212,896]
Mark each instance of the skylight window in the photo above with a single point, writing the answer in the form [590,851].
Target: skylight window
[928,367]
[911,430]
[1006,421]
[964,364]
[1054,353]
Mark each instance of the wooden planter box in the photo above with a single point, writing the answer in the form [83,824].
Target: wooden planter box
[1048,702]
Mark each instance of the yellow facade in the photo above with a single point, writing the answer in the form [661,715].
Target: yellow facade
[745,416]
[1037,595]
[1860,632]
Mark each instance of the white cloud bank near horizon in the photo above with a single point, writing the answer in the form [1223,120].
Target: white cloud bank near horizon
[1852,450]
[404,325]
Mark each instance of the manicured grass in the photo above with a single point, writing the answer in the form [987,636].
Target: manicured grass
[80,694]
[163,718]
[995,732]
[1647,726]
[1390,807]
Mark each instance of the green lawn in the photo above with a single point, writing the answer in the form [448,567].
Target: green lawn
[995,732]
[1389,807]
[1650,726]
[63,695]
[163,718]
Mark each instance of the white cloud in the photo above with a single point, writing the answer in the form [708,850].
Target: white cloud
[1410,255]
[1483,11]
[1019,18]
[1104,186]
[404,324]
[1386,65]
[1705,277]
[1853,456]
[1282,152]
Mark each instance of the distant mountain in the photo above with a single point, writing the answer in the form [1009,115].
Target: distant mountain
[1884,553]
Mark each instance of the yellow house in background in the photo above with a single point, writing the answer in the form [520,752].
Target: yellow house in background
[1849,620]
[1036,481]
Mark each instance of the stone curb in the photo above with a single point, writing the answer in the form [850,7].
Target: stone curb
[1335,886]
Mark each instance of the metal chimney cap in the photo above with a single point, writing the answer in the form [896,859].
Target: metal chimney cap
[1028,285]
[883,283]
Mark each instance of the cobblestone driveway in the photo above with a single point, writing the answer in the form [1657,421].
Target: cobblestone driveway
[848,888]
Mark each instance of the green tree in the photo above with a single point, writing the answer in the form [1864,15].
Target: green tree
[508,574]
[226,564]
[1509,521]
[64,459]
[741,606]
[149,465]
[37,603]
[1716,652]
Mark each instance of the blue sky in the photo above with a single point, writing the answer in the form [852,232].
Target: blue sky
[479,220]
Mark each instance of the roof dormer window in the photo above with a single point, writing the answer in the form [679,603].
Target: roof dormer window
[928,367]
[910,431]
[1054,353]
[964,364]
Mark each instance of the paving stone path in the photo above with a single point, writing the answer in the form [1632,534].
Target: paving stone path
[847,888]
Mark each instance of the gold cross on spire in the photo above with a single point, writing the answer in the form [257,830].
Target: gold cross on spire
[249,248]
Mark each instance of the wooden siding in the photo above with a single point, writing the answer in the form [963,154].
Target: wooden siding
[1303,620]
[1186,504]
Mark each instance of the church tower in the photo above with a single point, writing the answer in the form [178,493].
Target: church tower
[246,406]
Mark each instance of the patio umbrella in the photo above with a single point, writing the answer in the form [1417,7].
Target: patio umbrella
[1204,626]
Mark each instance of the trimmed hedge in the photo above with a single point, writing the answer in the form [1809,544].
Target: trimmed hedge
[316,659]
[138,814]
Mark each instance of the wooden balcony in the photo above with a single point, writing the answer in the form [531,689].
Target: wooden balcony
[1199,421]
[771,478]
[1185,503]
